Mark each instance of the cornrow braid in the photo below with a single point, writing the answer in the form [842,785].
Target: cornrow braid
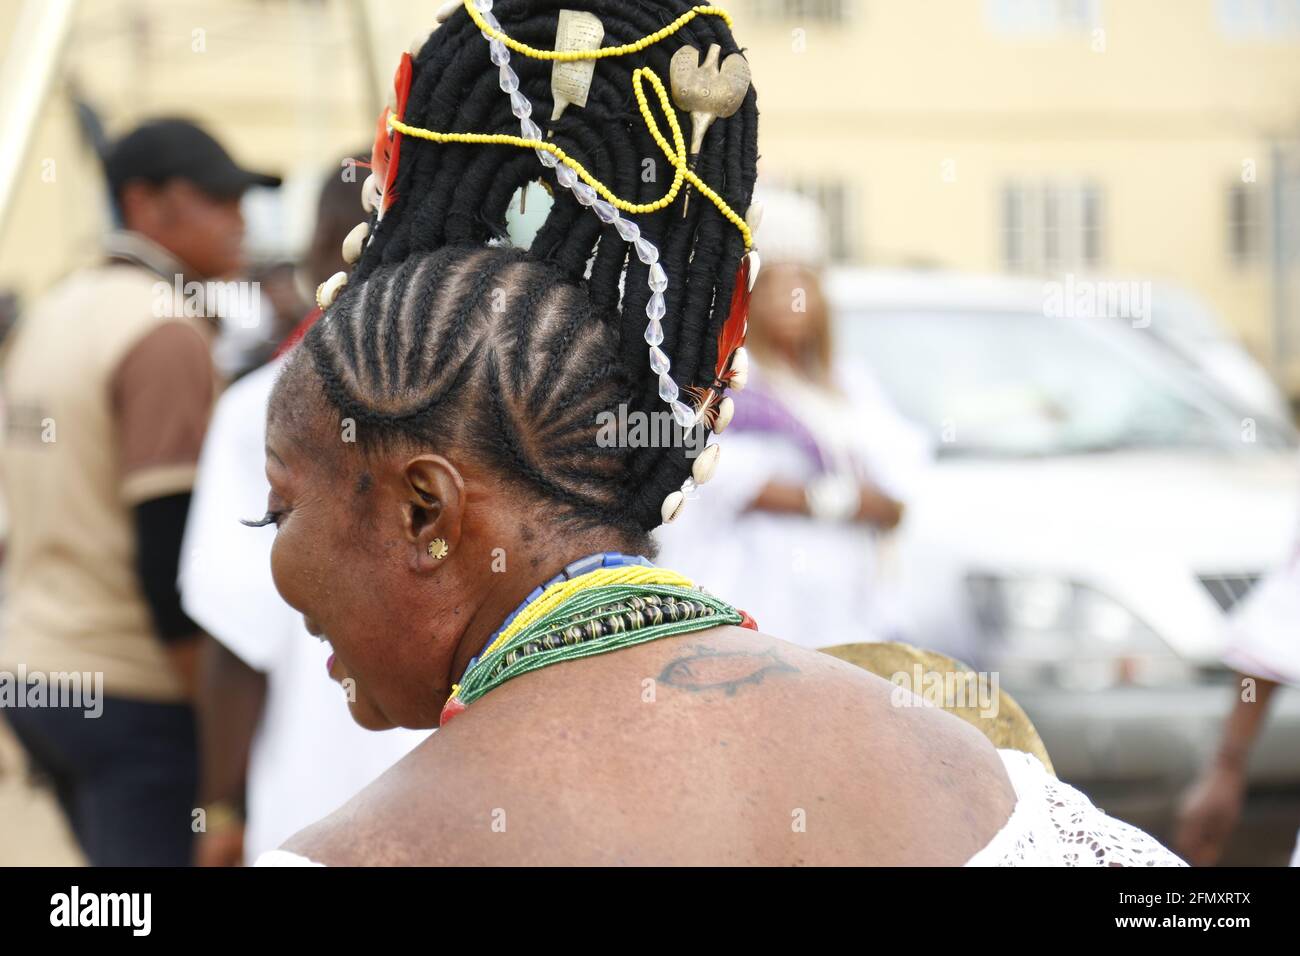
[445,334]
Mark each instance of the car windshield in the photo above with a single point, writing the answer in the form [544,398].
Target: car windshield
[1020,384]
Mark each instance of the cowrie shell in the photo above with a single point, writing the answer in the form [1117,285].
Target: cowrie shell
[738,378]
[726,409]
[705,463]
[354,242]
[672,506]
[329,290]
[370,194]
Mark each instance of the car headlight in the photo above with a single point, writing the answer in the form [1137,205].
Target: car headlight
[1044,630]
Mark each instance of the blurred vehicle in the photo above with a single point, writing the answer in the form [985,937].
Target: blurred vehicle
[1198,338]
[1098,506]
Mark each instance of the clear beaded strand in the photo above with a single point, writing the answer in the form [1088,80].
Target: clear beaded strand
[656,308]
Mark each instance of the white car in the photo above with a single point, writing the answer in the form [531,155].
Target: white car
[1095,510]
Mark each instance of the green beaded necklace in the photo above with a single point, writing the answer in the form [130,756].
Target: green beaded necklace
[594,620]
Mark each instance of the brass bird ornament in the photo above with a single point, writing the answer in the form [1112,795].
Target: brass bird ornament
[708,90]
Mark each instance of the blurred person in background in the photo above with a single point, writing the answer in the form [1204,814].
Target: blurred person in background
[108,385]
[279,747]
[1264,651]
[819,464]
[287,295]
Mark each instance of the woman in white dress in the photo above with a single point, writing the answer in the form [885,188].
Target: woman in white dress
[449,519]
[819,469]
[1264,654]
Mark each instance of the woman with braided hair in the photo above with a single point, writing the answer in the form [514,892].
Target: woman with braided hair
[451,520]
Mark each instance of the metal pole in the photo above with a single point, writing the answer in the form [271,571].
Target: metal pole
[35,51]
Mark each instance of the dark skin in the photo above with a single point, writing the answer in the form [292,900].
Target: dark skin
[206,234]
[721,746]
[203,231]
[1211,806]
[229,703]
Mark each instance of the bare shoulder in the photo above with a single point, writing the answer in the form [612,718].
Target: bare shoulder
[365,831]
[724,746]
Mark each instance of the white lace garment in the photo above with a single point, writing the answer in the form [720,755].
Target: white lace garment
[1052,824]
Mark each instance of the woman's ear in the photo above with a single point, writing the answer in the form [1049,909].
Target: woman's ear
[433,510]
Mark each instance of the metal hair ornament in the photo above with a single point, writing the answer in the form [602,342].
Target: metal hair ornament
[732,364]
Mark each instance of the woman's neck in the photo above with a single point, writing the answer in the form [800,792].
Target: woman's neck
[508,589]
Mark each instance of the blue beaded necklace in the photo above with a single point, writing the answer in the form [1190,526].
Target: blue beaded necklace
[592,562]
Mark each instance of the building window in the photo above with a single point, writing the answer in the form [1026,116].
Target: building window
[1258,19]
[1051,226]
[825,11]
[1021,17]
[1245,220]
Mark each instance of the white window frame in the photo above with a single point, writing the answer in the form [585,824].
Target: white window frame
[1049,226]
[1042,17]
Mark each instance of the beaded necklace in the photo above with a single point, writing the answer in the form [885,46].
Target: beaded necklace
[601,603]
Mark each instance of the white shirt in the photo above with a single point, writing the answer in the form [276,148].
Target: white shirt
[308,755]
[1262,629]
[1262,635]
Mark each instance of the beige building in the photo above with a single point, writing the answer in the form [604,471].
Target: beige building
[1047,136]
[1133,137]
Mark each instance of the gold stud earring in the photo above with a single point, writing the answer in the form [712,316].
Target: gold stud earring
[438,549]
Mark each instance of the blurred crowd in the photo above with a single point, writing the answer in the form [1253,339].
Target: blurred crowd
[132,445]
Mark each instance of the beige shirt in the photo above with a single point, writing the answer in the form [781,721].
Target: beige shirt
[105,395]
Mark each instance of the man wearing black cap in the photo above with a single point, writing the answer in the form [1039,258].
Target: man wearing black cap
[108,385]
[173,184]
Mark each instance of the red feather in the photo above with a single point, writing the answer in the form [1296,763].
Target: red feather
[386,153]
[733,331]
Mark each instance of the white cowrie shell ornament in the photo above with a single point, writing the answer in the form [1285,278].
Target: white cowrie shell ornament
[739,375]
[354,242]
[672,506]
[370,194]
[705,463]
[329,290]
[755,265]
[726,408]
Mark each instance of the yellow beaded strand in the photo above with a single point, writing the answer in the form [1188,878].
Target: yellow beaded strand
[568,56]
[676,151]
[507,139]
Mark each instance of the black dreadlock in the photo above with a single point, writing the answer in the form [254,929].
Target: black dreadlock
[444,339]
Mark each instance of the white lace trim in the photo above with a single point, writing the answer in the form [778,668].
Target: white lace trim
[1053,824]
[284,858]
